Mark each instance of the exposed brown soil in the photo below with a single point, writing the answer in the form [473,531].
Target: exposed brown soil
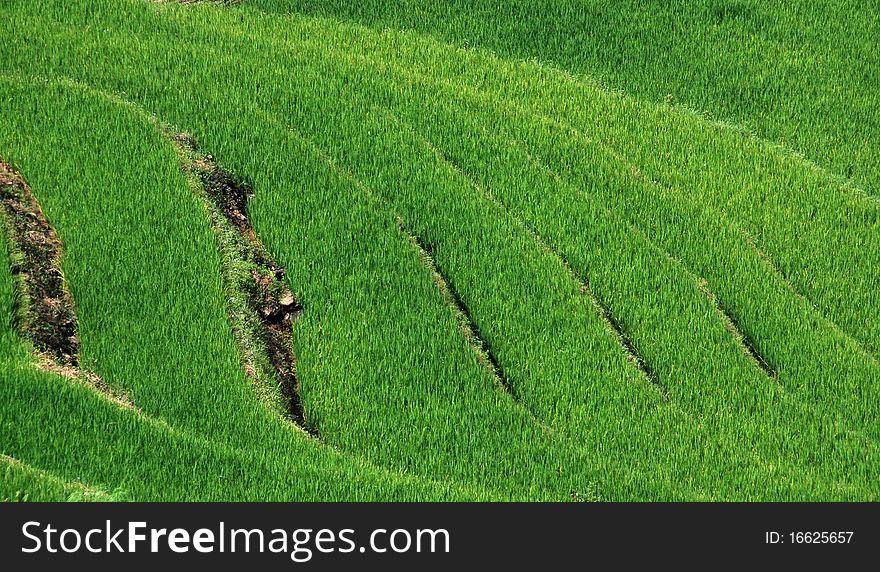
[45,314]
[266,294]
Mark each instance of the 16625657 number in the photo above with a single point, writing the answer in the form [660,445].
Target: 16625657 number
[816,537]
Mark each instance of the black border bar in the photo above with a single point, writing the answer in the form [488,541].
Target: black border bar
[505,536]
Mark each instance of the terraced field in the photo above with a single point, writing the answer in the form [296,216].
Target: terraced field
[305,251]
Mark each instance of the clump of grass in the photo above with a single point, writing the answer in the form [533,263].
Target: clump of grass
[20,482]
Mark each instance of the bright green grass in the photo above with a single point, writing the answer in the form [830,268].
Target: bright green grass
[337,126]
[810,374]
[158,388]
[23,483]
[520,180]
[522,309]
[793,447]
[472,435]
[554,397]
[801,73]
[50,422]
[456,417]
[57,424]
[61,426]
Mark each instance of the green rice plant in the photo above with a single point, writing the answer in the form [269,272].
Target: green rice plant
[800,74]
[627,265]
[80,436]
[266,431]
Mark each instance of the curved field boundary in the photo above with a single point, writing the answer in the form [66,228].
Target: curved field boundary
[461,312]
[157,462]
[20,482]
[771,265]
[164,462]
[261,307]
[136,238]
[43,307]
[732,326]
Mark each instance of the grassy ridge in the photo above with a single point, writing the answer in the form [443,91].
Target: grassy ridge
[64,427]
[23,483]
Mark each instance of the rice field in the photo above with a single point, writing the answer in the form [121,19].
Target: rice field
[461,251]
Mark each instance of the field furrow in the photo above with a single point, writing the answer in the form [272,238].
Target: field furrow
[762,419]
[43,308]
[463,315]
[732,325]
